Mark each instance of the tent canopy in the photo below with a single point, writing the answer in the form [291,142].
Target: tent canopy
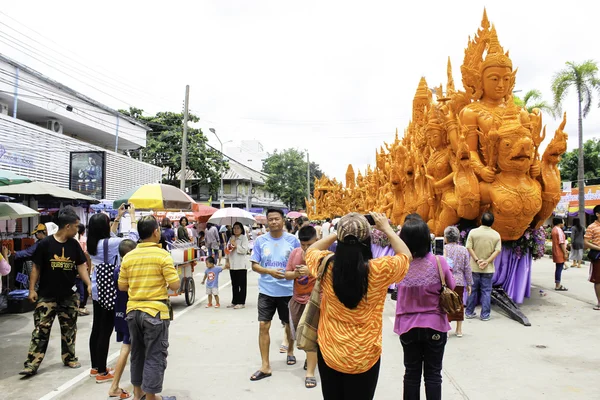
[42,189]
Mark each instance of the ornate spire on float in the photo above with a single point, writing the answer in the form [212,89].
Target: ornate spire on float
[450,89]
[350,182]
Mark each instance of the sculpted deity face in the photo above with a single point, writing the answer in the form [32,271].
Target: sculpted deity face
[514,153]
[436,139]
[496,82]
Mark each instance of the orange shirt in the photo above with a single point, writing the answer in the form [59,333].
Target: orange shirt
[592,233]
[558,238]
[350,340]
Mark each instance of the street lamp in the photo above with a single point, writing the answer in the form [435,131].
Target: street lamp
[222,195]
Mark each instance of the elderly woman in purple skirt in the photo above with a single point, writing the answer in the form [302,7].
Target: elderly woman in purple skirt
[458,259]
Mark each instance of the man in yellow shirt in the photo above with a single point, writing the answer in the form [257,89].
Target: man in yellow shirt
[146,272]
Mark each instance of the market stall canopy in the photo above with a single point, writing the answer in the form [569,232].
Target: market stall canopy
[16,210]
[157,196]
[204,213]
[227,216]
[45,189]
[10,178]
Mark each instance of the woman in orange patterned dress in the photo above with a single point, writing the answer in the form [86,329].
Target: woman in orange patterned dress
[353,288]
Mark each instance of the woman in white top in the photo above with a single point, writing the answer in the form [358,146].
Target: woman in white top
[237,261]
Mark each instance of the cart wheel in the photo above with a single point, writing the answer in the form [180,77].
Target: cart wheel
[190,291]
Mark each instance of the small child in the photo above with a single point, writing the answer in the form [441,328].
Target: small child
[212,286]
[297,271]
[121,326]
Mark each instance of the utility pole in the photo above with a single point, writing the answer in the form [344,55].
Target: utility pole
[307,177]
[184,140]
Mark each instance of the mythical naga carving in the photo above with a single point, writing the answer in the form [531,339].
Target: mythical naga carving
[463,153]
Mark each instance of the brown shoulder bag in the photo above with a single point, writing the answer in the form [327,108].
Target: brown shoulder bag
[450,301]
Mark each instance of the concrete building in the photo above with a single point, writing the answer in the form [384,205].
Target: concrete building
[249,152]
[51,133]
[243,187]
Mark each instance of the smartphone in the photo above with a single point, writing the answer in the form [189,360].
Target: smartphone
[370,219]
[126,206]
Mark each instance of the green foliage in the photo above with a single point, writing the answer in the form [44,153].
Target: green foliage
[569,162]
[163,148]
[583,78]
[287,176]
[533,99]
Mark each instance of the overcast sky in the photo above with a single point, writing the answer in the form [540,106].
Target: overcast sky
[334,77]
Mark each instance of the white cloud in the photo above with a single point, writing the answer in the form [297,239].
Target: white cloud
[336,78]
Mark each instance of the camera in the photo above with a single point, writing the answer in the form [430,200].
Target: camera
[126,206]
[370,219]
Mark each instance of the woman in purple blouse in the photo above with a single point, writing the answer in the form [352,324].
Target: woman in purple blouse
[459,260]
[422,325]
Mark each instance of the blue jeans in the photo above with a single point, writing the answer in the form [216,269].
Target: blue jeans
[482,290]
[558,272]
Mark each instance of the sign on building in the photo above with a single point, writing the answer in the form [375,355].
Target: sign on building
[87,173]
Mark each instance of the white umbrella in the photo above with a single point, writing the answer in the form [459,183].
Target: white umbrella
[16,210]
[227,216]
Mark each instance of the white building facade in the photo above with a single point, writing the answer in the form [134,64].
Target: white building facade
[51,133]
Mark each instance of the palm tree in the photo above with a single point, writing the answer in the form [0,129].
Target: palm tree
[583,78]
[533,99]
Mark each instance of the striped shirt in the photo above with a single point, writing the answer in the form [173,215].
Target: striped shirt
[592,234]
[147,270]
[350,340]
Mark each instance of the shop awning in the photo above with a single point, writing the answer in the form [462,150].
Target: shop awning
[42,189]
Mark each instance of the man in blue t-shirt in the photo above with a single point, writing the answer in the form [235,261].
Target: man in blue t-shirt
[269,258]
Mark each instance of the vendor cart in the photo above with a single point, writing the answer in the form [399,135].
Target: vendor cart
[185,256]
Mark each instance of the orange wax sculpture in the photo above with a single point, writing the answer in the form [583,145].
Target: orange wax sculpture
[463,153]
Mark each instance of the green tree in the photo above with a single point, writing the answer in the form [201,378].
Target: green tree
[287,176]
[533,99]
[569,162]
[163,148]
[583,78]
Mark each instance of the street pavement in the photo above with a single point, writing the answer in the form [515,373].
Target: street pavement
[213,352]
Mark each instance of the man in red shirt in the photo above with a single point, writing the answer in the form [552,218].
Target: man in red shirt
[559,251]
[297,271]
[592,242]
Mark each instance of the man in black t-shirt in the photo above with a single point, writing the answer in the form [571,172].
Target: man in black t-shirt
[56,262]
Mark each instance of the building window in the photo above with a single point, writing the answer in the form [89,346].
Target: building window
[227,188]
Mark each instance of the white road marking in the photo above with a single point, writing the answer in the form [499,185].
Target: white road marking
[74,381]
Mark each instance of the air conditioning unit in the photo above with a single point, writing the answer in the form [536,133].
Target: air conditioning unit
[4,108]
[54,126]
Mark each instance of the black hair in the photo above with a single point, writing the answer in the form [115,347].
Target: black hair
[351,272]
[166,223]
[596,210]
[146,226]
[415,233]
[299,221]
[577,223]
[126,246]
[557,221]
[187,221]
[288,226]
[487,219]
[240,225]
[210,259]
[67,216]
[98,229]
[81,229]
[201,233]
[307,233]
[274,210]
[327,219]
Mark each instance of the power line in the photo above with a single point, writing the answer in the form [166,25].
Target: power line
[120,82]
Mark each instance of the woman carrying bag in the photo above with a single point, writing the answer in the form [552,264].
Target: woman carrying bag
[353,288]
[420,320]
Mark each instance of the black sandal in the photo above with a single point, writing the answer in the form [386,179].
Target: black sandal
[258,375]
[310,382]
[291,360]
[561,289]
